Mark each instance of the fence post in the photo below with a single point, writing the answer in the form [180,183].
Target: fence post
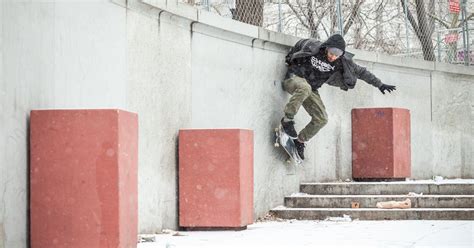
[340,20]
[207,4]
[464,41]
[279,16]
[466,30]
[438,40]
[406,26]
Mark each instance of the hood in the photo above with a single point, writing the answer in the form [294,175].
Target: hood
[335,40]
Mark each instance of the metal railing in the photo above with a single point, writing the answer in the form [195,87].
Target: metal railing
[434,30]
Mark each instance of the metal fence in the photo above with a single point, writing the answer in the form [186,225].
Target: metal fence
[441,30]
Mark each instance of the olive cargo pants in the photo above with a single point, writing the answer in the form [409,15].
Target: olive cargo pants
[301,93]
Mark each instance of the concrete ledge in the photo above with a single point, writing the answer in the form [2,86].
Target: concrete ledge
[122,3]
[404,62]
[283,40]
[370,201]
[456,69]
[387,188]
[184,10]
[169,17]
[145,9]
[227,24]
[280,38]
[363,55]
[375,213]
[162,4]
[270,46]
[222,34]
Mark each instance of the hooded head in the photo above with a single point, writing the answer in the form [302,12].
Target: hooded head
[334,47]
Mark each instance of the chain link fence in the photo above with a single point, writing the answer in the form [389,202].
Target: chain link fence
[434,30]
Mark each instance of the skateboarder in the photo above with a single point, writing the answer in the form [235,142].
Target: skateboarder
[310,65]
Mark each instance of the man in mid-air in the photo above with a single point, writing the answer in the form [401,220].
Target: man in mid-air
[310,65]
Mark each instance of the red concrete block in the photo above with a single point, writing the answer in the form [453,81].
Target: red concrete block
[83,178]
[215,178]
[381,143]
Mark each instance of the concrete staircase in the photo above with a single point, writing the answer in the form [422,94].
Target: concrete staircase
[439,201]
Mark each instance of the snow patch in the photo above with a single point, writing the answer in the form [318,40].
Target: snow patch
[299,194]
[344,218]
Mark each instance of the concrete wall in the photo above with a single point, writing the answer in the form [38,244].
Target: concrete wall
[159,87]
[182,68]
[453,124]
[2,138]
[55,54]
[223,74]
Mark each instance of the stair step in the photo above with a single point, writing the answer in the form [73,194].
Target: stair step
[465,187]
[375,213]
[370,201]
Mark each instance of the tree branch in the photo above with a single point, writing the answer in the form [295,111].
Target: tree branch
[312,25]
[296,14]
[410,17]
[455,20]
[471,16]
[303,11]
[445,24]
[354,12]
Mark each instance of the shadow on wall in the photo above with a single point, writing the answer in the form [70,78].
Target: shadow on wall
[176,154]
[28,164]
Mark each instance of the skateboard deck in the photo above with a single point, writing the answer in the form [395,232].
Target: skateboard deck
[286,142]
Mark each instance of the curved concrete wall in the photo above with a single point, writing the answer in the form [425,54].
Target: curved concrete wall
[182,68]
[226,74]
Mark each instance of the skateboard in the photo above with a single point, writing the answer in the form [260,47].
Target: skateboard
[286,142]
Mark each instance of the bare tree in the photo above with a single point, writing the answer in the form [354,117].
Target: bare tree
[313,29]
[422,28]
[353,14]
[379,20]
[312,15]
[307,15]
[375,25]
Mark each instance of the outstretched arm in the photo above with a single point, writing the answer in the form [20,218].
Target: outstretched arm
[367,76]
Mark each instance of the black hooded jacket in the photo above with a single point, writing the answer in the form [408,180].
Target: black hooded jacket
[345,73]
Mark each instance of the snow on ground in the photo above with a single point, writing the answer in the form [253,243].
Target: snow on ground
[409,233]
[335,232]
[436,180]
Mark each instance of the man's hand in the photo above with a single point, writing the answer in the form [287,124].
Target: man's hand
[386,87]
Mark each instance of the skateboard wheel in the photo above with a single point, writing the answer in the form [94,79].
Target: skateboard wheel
[288,161]
[276,129]
[276,145]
